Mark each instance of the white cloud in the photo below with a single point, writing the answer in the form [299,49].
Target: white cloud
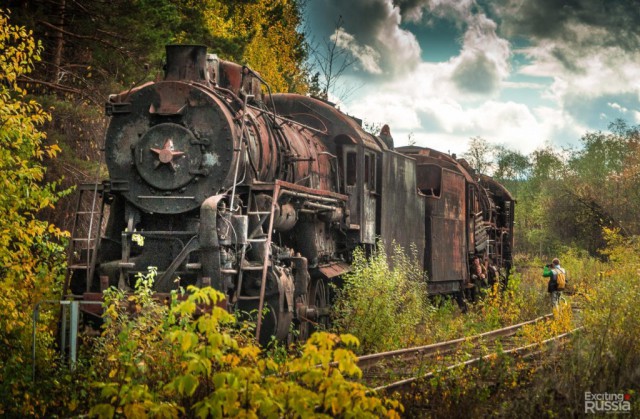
[441,118]
[398,45]
[617,107]
[366,55]
[444,104]
[483,62]
[371,31]
[589,73]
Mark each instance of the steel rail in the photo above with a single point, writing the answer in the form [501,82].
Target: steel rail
[434,348]
[518,350]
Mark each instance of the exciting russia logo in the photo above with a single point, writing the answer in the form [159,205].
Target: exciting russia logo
[607,402]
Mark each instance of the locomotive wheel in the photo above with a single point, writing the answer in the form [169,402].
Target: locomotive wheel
[273,322]
[320,298]
[317,296]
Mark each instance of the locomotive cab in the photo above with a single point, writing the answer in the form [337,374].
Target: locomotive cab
[359,168]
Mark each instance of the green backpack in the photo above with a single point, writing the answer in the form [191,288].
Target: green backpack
[561,278]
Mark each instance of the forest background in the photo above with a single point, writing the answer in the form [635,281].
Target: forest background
[61,59]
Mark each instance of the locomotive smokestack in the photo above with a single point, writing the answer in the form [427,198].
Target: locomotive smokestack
[186,62]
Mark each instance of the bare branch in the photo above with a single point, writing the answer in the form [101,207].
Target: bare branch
[78,36]
[332,61]
[55,86]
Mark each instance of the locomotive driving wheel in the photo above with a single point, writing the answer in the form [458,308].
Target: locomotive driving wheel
[316,300]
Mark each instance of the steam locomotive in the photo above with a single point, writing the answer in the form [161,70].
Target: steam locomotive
[265,198]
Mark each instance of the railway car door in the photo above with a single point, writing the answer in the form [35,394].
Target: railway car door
[350,166]
[370,198]
[360,173]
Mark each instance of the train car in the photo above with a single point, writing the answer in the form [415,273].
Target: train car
[467,215]
[265,197]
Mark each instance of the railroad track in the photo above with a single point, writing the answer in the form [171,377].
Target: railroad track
[525,350]
[393,370]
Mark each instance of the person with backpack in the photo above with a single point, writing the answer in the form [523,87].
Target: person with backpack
[557,280]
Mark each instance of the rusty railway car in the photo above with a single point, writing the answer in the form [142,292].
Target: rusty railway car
[265,197]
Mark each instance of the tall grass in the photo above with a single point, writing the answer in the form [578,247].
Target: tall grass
[384,303]
[604,357]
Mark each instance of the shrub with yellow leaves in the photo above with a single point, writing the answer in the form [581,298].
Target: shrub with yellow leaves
[31,253]
[189,358]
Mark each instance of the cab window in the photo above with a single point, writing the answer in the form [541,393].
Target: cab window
[370,171]
[351,166]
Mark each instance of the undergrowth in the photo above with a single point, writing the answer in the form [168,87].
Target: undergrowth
[190,359]
[602,357]
[384,303]
[383,306]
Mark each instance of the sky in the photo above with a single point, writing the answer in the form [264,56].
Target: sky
[523,74]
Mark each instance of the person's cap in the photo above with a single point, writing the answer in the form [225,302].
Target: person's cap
[556,261]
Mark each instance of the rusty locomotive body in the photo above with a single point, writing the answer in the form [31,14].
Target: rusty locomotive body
[265,198]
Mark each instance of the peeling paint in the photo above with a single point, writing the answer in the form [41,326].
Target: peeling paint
[210,160]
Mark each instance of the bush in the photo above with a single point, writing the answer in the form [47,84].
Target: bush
[31,253]
[190,359]
[380,305]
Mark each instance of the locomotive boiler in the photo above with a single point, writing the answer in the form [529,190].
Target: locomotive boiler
[266,196]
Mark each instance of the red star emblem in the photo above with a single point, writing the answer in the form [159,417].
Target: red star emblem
[627,397]
[166,154]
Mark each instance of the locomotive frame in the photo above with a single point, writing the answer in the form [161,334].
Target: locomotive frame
[267,201]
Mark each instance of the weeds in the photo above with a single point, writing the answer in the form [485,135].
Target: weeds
[601,358]
[383,306]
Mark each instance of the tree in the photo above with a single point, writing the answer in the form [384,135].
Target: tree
[603,181]
[273,45]
[534,180]
[479,154]
[411,139]
[30,252]
[547,164]
[372,128]
[512,168]
[511,165]
[331,61]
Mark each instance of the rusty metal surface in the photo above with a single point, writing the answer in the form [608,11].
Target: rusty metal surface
[314,240]
[291,186]
[186,180]
[334,269]
[230,76]
[430,179]
[446,256]
[369,219]
[402,211]
[496,188]
[186,62]
[324,117]
[343,133]
[429,156]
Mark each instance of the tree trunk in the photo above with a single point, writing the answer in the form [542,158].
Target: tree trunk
[58,43]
